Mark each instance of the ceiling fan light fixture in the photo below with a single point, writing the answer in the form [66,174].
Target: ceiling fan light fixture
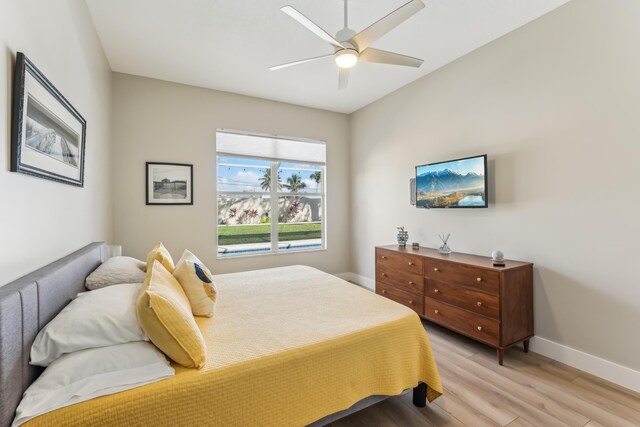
[346,58]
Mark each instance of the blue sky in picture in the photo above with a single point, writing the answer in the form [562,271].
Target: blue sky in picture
[463,167]
[239,174]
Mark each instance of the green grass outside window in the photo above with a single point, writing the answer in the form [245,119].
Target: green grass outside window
[261,233]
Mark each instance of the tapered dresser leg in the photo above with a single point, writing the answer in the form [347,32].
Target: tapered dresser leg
[500,355]
[525,344]
[420,395]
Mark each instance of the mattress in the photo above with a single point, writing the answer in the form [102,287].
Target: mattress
[286,347]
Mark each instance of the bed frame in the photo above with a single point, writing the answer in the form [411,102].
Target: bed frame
[419,400]
[26,305]
[29,303]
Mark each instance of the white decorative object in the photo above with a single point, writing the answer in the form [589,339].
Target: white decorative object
[444,249]
[498,258]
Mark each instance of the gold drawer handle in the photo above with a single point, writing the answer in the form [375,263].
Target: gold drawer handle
[479,279]
[383,257]
[480,328]
[436,291]
[384,292]
[436,311]
[435,269]
[411,301]
[384,274]
[479,304]
[411,283]
[410,263]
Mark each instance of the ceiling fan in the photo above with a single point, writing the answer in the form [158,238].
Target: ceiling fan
[351,47]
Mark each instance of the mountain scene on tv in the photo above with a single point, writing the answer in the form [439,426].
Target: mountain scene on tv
[459,183]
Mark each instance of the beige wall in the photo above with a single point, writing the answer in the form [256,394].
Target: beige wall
[555,105]
[167,122]
[42,220]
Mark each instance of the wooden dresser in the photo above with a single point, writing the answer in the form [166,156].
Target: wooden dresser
[464,293]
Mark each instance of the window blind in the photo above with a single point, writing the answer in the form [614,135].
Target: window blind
[270,147]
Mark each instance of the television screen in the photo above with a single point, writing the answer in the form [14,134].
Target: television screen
[460,183]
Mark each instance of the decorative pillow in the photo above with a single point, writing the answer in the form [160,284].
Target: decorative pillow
[160,253]
[195,278]
[115,271]
[165,316]
[90,373]
[97,318]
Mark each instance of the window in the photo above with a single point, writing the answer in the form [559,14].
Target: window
[271,194]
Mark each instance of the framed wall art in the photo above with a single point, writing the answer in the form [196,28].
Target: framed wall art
[169,184]
[48,134]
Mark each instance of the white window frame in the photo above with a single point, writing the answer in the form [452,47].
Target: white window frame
[274,196]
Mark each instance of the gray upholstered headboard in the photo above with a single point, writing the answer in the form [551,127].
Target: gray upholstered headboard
[26,305]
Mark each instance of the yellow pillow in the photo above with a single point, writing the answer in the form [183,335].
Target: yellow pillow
[195,278]
[165,316]
[160,253]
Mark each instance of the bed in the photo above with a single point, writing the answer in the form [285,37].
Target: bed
[287,346]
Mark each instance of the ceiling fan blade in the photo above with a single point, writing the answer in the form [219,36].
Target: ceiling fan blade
[343,78]
[311,26]
[302,61]
[384,57]
[369,35]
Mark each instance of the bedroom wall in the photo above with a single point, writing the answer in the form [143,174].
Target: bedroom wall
[41,220]
[167,122]
[555,105]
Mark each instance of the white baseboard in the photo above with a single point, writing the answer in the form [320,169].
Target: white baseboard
[610,371]
[594,365]
[363,281]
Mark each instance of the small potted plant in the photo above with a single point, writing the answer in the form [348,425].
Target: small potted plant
[403,236]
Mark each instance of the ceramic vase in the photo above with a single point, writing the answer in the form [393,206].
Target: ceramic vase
[403,238]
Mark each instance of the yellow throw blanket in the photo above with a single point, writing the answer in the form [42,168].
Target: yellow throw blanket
[286,347]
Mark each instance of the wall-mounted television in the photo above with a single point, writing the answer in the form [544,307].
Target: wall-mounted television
[460,183]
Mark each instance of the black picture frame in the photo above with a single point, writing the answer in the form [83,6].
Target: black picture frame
[170,194]
[48,135]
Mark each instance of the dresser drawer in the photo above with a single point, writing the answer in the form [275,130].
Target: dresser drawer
[407,281]
[473,325]
[412,301]
[448,272]
[478,302]
[390,261]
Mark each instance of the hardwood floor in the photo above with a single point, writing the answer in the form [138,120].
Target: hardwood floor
[529,390]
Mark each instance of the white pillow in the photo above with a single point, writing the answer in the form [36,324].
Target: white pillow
[86,374]
[98,318]
[195,278]
[115,271]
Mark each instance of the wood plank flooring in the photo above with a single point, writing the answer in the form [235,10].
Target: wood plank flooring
[529,390]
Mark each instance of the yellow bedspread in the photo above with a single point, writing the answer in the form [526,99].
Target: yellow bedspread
[286,347]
